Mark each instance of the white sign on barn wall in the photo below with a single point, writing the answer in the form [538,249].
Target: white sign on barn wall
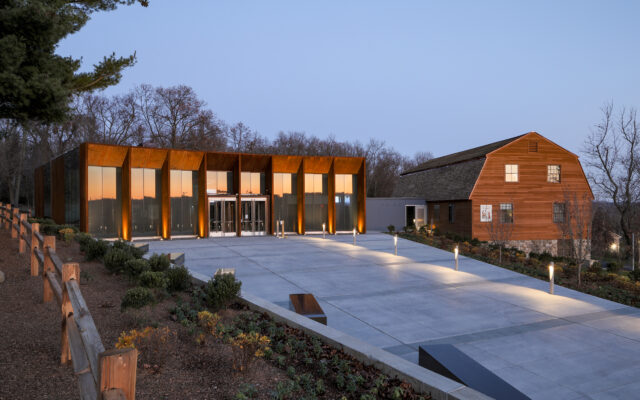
[485,213]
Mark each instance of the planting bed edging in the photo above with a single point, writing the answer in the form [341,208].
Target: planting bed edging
[421,379]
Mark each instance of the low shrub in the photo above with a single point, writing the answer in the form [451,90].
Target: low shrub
[95,250]
[154,344]
[137,297]
[66,234]
[178,279]
[129,248]
[614,267]
[222,290]
[83,240]
[152,279]
[115,260]
[635,275]
[135,266]
[159,262]
[246,347]
[391,228]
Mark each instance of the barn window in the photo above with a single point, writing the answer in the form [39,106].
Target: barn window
[506,213]
[553,173]
[558,212]
[511,173]
[436,212]
[533,146]
[452,212]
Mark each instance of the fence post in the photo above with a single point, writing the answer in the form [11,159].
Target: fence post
[14,223]
[118,371]
[49,243]
[22,246]
[7,217]
[35,268]
[69,271]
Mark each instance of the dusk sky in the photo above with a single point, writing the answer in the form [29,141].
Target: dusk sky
[422,76]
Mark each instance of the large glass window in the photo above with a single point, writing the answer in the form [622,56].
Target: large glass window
[316,201]
[346,202]
[285,200]
[72,188]
[252,183]
[145,202]
[105,203]
[219,182]
[184,202]
[46,189]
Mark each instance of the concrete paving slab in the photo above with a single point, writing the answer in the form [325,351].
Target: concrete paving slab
[569,345]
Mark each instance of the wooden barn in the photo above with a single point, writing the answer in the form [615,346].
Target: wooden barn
[523,188]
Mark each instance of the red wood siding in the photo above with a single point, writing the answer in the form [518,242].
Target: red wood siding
[532,196]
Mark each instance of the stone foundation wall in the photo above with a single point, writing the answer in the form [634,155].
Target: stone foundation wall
[557,247]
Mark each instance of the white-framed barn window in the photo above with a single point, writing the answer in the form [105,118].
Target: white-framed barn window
[511,173]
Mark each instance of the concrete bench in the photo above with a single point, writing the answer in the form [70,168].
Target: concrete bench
[447,360]
[176,258]
[307,305]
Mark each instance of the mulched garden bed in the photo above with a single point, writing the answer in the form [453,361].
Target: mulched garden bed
[183,358]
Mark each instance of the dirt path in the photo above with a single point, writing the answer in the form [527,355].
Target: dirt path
[29,334]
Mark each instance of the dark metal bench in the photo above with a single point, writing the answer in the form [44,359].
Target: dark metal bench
[307,305]
[447,360]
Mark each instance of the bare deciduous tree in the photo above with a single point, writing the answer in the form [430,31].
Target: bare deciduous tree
[241,138]
[613,159]
[575,226]
[500,230]
[175,117]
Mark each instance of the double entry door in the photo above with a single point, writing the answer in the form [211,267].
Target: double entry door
[222,216]
[253,214]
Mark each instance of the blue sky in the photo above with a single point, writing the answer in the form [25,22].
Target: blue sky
[422,76]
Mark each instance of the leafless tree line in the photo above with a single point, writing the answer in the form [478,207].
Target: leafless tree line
[613,164]
[172,117]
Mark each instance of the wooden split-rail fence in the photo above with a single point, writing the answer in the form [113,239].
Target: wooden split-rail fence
[107,375]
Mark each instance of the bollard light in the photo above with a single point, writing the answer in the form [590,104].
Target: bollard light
[395,242]
[354,236]
[455,254]
[551,266]
[323,226]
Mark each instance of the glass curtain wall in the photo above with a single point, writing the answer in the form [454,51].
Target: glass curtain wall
[145,202]
[46,191]
[219,182]
[316,201]
[184,202]
[346,202]
[285,200]
[252,183]
[105,201]
[72,187]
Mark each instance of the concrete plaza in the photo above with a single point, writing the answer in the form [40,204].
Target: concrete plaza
[564,346]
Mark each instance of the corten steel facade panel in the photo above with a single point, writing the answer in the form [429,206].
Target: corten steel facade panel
[128,157]
[126,197]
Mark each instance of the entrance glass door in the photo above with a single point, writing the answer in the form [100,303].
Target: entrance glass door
[222,216]
[253,216]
